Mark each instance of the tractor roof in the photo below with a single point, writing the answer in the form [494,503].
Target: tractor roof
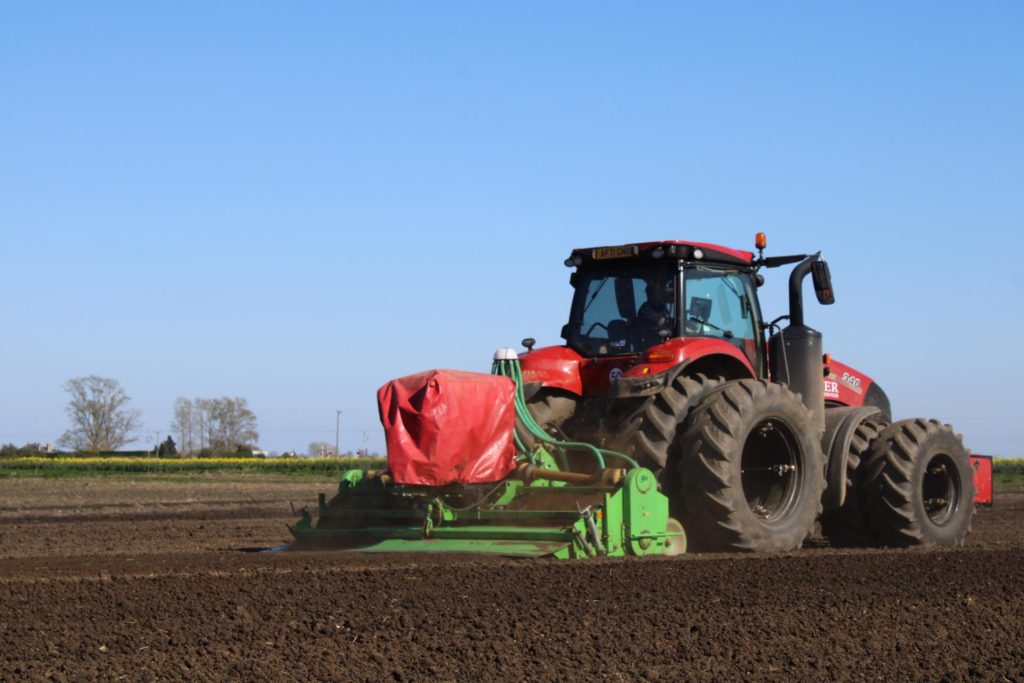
[675,249]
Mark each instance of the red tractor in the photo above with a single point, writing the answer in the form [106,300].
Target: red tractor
[753,431]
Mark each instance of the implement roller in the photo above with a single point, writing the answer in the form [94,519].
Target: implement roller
[543,507]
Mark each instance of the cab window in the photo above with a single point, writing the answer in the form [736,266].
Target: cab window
[719,303]
[623,310]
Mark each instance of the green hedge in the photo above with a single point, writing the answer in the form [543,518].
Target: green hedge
[58,466]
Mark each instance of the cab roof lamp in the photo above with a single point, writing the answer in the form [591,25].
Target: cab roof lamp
[761,240]
[574,260]
[698,253]
[657,252]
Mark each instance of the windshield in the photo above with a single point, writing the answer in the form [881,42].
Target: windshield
[624,310]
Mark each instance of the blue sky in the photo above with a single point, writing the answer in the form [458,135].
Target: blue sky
[295,203]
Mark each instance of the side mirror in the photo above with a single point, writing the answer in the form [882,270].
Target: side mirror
[565,332]
[822,283]
[573,278]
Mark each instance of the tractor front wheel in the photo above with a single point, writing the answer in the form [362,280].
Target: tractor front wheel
[752,472]
[919,486]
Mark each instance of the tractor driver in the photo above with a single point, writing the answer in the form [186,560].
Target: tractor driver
[655,314]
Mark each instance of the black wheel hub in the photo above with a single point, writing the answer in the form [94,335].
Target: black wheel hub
[940,489]
[770,470]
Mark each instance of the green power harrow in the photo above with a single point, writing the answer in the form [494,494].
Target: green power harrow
[544,508]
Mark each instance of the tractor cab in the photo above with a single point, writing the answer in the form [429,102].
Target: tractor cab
[631,298]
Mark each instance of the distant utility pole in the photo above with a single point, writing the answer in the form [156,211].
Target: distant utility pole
[337,433]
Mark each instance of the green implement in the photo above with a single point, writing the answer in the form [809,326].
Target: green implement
[619,513]
[542,508]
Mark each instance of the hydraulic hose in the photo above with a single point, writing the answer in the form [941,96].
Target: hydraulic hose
[510,368]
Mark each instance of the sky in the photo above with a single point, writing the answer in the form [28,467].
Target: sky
[296,202]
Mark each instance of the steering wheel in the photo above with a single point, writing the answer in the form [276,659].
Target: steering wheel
[597,324]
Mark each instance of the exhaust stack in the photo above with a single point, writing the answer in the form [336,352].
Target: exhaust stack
[796,352]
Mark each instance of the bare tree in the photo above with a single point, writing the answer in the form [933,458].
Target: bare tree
[230,424]
[185,425]
[319,449]
[204,407]
[101,419]
[220,424]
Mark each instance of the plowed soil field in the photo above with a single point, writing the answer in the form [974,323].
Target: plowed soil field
[149,579]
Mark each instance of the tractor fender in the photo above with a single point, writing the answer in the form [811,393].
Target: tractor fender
[663,363]
[840,424]
[556,367]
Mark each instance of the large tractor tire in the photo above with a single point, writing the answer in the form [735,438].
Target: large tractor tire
[551,409]
[649,433]
[918,485]
[751,472]
[847,526]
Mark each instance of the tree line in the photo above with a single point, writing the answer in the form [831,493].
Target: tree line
[103,420]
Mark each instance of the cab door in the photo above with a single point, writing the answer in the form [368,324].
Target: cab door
[722,303]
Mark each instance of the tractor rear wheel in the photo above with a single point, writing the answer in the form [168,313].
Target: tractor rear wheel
[847,526]
[919,487]
[550,409]
[751,472]
[649,433]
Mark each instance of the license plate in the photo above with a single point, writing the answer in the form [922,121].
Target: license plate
[614,252]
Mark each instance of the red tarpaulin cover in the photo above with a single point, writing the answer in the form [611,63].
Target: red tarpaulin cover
[448,426]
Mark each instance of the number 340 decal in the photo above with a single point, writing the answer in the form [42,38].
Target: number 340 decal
[851,381]
[832,387]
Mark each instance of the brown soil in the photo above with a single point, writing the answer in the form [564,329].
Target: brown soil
[143,579]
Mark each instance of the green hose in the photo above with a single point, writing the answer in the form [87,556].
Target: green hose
[511,369]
